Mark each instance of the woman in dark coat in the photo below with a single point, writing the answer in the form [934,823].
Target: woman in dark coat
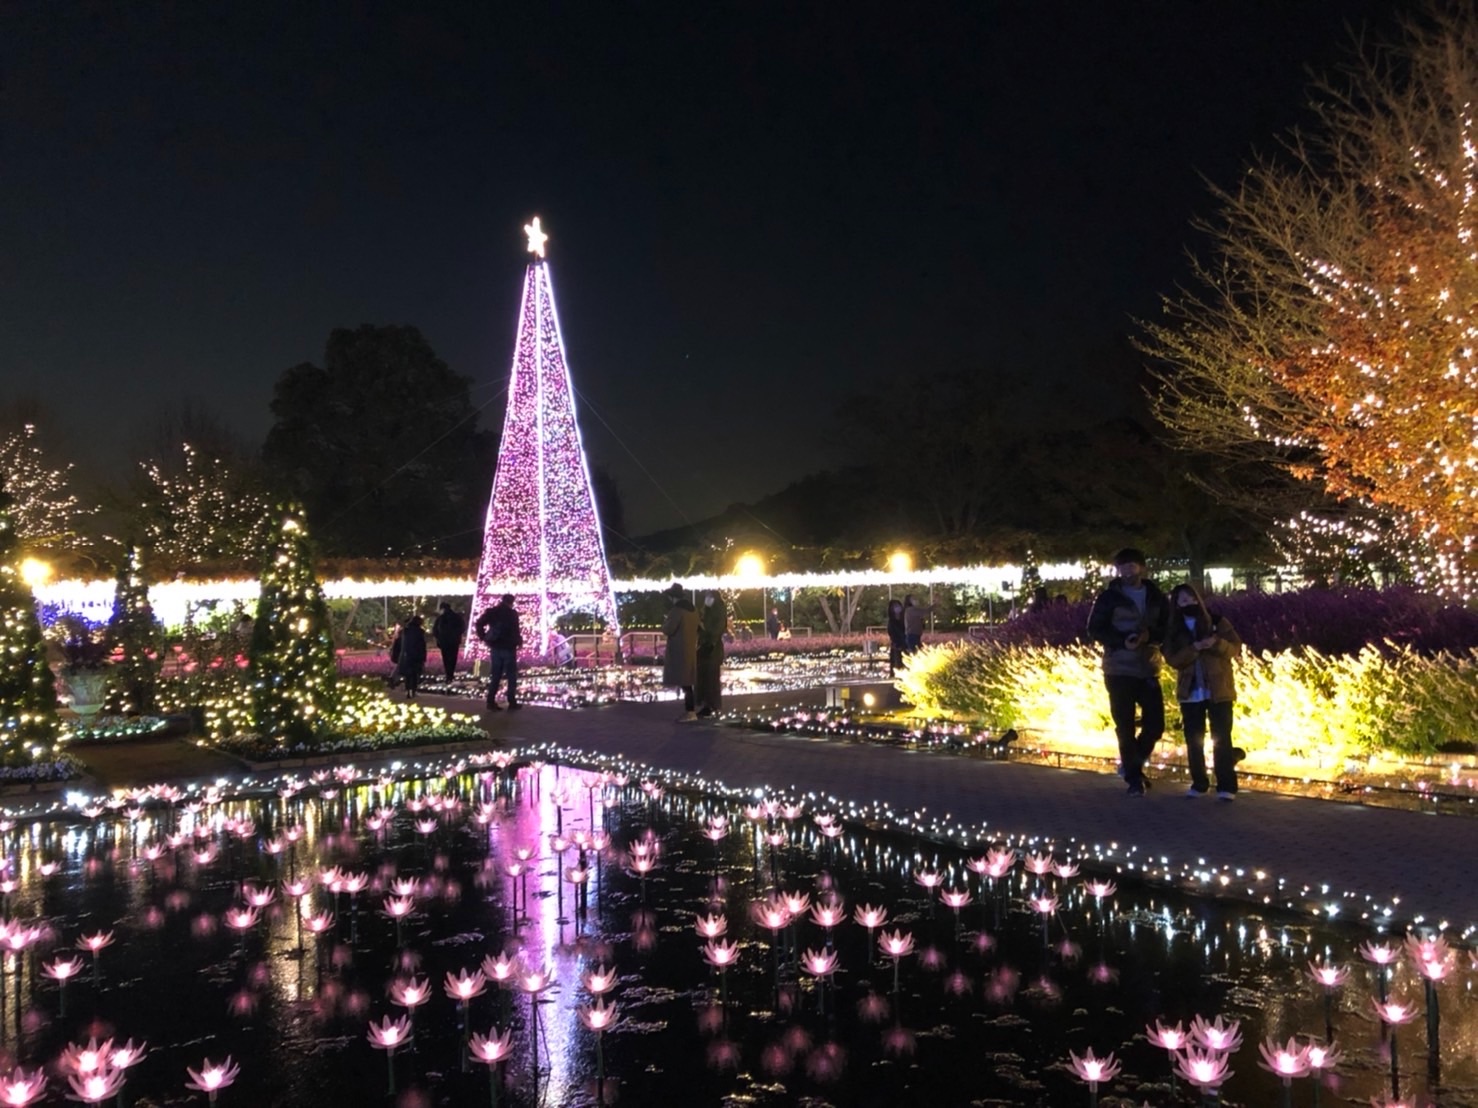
[897,643]
[1200,646]
[412,655]
[680,665]
[713,623]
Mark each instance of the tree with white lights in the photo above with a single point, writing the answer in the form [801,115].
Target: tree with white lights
[292,668]
[44,511]
[28,702]
[1334,335]
[133,631]
[205,510]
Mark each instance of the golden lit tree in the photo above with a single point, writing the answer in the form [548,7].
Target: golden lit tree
[44,511]
[1333,333]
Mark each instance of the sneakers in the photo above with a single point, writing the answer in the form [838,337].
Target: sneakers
[1135,790]
[688,717]
[1238,754]
[1193,792]
[1226,796]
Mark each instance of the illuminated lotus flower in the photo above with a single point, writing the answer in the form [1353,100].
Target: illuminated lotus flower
[122,1057]
[771,914]
[1393,1013]
[319,922]
[1423,948]
[1172,1039]
[577,875]
[1324,1057]
[1045,905]
[819,963]
[389,1034]
[955,898]
[720,954]
[20,1088]
[62,969]
[597,1017]
[599,980]
[929,879]
[828,915]
[426,826]
[462,987]
[1064,870]
[1331,977]
[95,1087]
[1382,954]
[49,869]
[1100,889]
[535,981]
[241,919]
[211,1079]
[95,943]
[711,927]
[1207,1069]
[258,898]
[796,903]
[87,1059]
[999,862]
[501,968]
[1217,1035]
[355,883]
[410,992]
[869,916]
[716,832]
[1038,864]
[404,887]
[643,864]
[1288,1060]
[492,1048]
[895,944]
[1091,1070]
[792,811]
[398,907]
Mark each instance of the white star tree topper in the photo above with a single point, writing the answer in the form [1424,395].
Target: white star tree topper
[537,237]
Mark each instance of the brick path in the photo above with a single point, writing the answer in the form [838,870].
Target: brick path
[1417,861]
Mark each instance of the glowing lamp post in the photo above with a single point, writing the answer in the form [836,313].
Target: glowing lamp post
[899,563]
[751,567]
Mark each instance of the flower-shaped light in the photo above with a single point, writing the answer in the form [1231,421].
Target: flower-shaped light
[463,987]
[398,907]
[1205,1069]
[720,954]
[491,1048]
[1065,870]
[62,969]
[928,879]
[819,963]
[597,1017]
[1331,977]
[869,916]
[895,944]
[535,980]
[94,943]
[319,922]
[389,1034]
[599,980]
[1099,889]
[500,968]
[771,914]
[80,1059]
[1217,1035]
[122,1057]
[1044,904]
[796,903]
[410,992]
[1093,1070]
[19,1088]
[1287,1060]
[1324,1056]
[828,915]
[1381,954]
[241,919]
[955,898]
[212,1079]
[1174,1039]
[95,1087]
[711,927]
[1393,1013]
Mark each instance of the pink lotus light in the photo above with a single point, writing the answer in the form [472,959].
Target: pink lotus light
[1427,948]
[577,875]
[1382,954]
[1331,977]
[599,980]
[1288,1060]
[97,1086]
[819,963]
[355,883]
[1094,1070]
[1044,904]
[85,1059]
[319,922]
[1100,889]
[1038,864]
[796,903]
[720,954]
[390,1034]
[298,888]
[1064,870]
[870,916]
[771,914]
[62,969]
[410,992]
[999,862]
[398,907]
[49,869]
[129,1054]
[1435,971]
[241,919]
[491,1048]
[501,968]
[1393,1013]
[1322,1057]
[597,1017]
[404,886]
[716,834]
[95,943]
[259,898]
[464,988]
[955,898]
[643,864]
[20,1088]
[711,927]
[775,838]
[895,944]
[929,879]
[426,826]
[1217,1034]
[792,811]
[754,812]
[829,915]
[1203,1069]
[212,1079]
[535,981]
[1172,1039]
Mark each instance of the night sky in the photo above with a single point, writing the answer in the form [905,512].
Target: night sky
[754,210]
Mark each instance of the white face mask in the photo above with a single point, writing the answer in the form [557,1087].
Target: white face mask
[708,602]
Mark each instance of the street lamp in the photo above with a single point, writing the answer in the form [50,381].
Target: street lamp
[35,572]
[751,566]
[899,563]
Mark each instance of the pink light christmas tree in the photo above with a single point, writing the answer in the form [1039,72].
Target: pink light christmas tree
[542,542]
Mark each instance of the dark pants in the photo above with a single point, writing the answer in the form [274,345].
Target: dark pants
[412,675]
[1125,695]
[1196,713]
[912,642]
[503,663]
[895,658]
[688,701]
[449,659]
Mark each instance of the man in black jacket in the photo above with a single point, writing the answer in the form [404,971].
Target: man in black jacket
[1128,620]
[498,629]
[447,631]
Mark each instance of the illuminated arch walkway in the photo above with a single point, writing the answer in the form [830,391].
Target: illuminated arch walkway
[1362,859]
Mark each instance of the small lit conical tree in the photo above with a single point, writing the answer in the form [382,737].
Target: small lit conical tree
[27,688]
[292,646]
[133,631]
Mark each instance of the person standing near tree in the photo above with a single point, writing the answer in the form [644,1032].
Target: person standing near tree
[1200,645]
[412,660]
[913,623]
[680,664]
[713,624]
[1128,620]
[897,637]
[447,630]
[497,629]
[772,624]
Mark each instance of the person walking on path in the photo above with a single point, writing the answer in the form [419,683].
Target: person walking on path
[713,624]
[448,630]
[913,623]
[1200,645]
[897,637]
[1128,620]
[497,628]
[412,660]
[680,664]
[772,624]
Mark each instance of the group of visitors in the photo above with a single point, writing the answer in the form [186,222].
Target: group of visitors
[1136,624]
[695,651]
[497,628]
[905,630]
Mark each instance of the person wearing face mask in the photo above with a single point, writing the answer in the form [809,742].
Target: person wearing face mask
[1128,621]
[1201,646]
[713,623]
[680,663]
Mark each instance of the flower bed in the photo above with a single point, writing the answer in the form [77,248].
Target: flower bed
[62,767]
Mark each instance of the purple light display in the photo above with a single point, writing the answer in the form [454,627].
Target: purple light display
[542,541]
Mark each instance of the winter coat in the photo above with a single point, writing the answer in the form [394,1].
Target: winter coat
[1215,663]
[412,650]
[1115,617]
[448,629]
[713,623]
[680,666]
[913,618]
[497,628]
[896,633]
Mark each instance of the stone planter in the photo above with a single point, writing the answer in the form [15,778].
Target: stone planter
[86,691]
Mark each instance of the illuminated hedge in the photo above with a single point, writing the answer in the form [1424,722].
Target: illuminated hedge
[1297,703]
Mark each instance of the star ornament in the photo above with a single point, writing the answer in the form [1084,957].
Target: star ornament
[537,237]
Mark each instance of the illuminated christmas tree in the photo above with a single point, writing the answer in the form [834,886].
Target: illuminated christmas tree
[542,542]
[133,630]
[27,687]
[293,668]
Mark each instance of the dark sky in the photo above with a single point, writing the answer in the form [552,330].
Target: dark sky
[754,209]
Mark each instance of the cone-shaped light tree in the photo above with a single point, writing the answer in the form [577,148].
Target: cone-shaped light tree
[133,631]
[293,668]
[542,542]
[28,718]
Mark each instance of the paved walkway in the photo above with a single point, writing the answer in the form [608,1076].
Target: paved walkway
[1312,853]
